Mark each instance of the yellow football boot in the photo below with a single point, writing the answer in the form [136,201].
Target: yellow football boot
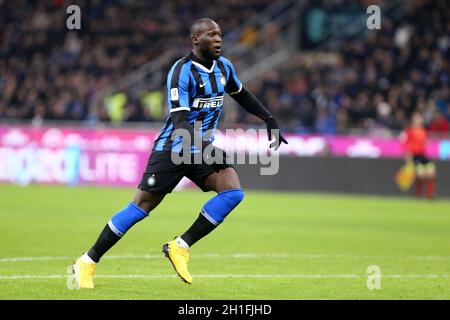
[84,273]
[179,257]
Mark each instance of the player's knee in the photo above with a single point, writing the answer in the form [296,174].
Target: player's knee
[143,204]
[147,201]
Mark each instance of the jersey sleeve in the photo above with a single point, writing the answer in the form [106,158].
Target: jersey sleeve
[178,88]
[233,85]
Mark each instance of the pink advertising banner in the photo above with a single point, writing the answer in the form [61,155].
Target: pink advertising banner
[117,157]
[71,156]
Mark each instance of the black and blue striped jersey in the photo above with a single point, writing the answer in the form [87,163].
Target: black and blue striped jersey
[194,87]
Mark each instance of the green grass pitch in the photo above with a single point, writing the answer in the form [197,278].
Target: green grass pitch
[273,246]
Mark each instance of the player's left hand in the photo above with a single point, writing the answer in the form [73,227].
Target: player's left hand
[274,131]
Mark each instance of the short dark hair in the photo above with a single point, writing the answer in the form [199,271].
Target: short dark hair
[197,25]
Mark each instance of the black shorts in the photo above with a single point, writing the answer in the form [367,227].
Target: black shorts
[420,159]
[162,175]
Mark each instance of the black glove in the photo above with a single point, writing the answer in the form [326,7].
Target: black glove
[215,156]
[274,130]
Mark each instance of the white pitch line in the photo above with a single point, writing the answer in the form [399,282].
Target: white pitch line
[18,259]
[28,276]
[222,276]
[152,256]
[232,255]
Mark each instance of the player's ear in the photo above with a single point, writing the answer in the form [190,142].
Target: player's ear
[195,40]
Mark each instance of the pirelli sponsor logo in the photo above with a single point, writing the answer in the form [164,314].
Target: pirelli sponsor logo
[200,103]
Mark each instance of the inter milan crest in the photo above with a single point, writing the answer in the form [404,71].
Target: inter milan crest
[151,180]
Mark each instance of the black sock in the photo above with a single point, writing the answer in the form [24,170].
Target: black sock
[200,228]
[105,241]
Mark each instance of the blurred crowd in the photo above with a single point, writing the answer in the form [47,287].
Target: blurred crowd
[48,72]
[373,83]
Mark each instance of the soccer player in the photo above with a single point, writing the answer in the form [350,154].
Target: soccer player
[195,86]
[414,139]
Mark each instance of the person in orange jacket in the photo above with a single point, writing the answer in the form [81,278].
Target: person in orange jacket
[414,140]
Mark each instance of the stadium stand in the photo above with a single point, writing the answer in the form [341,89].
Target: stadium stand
[49,73]
[372,84]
